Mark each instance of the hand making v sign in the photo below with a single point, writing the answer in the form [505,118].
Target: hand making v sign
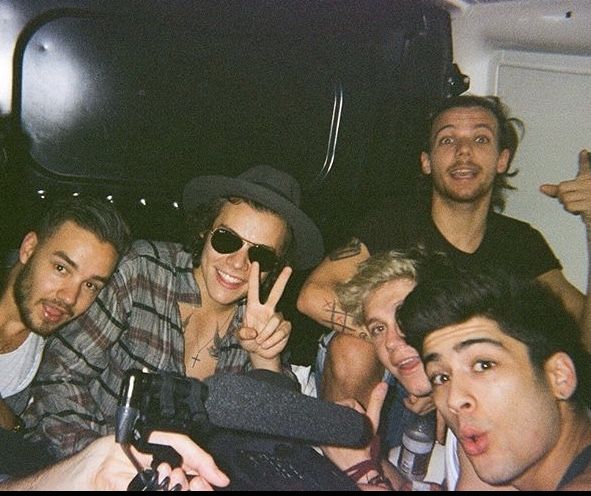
[265,332]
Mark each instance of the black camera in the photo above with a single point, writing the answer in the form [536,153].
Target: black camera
[163,401]
[249,436]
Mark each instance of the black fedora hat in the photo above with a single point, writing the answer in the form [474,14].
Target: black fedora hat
[272,188]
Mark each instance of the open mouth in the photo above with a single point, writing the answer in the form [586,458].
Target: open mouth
[409,364]
[228,280]
[464,172]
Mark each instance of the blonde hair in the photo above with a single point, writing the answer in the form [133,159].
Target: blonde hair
[378,269]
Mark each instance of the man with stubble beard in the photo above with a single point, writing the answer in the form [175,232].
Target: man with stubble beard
[60,268]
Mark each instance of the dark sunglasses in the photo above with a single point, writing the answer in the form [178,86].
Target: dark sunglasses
[224,242]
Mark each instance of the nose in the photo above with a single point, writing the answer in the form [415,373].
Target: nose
[69,293]
[459,399]
[463,146]
[239,260]
[394,338]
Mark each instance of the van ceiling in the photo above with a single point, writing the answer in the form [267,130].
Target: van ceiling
[131,99]
[473,2]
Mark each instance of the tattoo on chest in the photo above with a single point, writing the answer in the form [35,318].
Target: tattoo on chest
[212,350]
[213,344]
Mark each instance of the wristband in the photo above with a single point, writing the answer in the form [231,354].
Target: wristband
[357,471]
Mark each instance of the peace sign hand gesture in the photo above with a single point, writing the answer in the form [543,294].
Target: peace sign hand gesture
[264,332]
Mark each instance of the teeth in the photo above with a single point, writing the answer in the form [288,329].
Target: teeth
[407,360]
[462,173]
[230,279]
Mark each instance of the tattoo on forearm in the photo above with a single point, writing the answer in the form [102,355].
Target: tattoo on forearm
[338,320]
[351,249]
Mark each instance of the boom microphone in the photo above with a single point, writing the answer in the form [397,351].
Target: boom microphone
[239,402]
[244,403]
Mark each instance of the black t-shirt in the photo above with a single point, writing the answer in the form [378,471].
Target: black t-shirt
[401,223]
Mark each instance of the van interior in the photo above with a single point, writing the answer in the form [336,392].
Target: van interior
[128,100]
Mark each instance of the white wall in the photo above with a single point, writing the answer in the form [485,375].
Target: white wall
[537,58]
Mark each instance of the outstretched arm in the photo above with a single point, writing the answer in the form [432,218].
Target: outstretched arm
[103,466]
[351,368]
[317,298]
[575,197]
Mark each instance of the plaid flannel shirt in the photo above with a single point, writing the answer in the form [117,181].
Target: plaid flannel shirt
[134,323]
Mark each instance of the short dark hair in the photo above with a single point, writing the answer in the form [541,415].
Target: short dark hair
[510,129]
[523,309]
[93,214]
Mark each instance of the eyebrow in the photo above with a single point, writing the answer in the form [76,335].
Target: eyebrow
[64,256]
[433,357]
[73,264]
[453,126]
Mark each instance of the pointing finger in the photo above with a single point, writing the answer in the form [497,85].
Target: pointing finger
[550,190]
[584,162]
[553,190]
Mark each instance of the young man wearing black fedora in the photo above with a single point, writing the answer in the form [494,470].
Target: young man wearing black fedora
[196,310]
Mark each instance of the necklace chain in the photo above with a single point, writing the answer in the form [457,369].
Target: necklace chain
[214,349]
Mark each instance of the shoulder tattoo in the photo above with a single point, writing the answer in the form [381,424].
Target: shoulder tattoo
[351,249]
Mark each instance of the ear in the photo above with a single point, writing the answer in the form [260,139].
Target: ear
[425,163]
[561,375]
[503,161]
[28,245]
